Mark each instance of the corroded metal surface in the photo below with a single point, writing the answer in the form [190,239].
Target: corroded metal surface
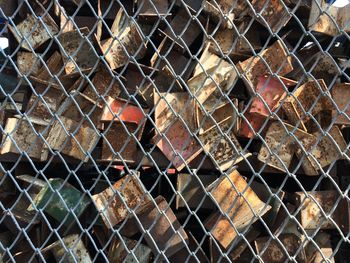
[114,202]
[32,33]
[81,138]
[238,201]
[272,251]
[274,59]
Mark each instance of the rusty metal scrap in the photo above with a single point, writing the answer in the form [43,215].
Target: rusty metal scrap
[174,131]
[272,251]
[236,200]
[322,15]
[71,138]
[110,202]
[273,60]
[316,207]
[32,33]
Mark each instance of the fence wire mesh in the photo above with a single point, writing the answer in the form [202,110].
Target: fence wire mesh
[174,131]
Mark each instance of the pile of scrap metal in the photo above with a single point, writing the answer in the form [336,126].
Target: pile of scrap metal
[165,130]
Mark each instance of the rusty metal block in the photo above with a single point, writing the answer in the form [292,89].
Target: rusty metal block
[322,15]
[123,111]
[75,46]
[178,145]
[324,153]
[119,140]
[228,42]
[79,106]
[274,12]
[28,63]
[21,135]
[271,250]
[223,147]
[215,74]
[53,66]
[311,97]
[239,204]
[341,96]
[282,145]
[324,247]
[164,231]
[318,205]
[273,60]
[118,251]
[170,106]
[192,191]
[255,121]
[215,113]
[61,202]
[104,84]
[40,108]
[32,33]
[113,203]
[126,36]
[72,249]
[272,91]
[225,11]
[80,140]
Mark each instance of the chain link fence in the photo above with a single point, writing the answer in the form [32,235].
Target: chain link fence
[174,131]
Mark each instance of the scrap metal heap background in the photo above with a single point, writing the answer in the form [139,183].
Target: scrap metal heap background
[177,131]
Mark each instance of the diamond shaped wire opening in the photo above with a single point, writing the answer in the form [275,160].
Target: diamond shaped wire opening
[174,130]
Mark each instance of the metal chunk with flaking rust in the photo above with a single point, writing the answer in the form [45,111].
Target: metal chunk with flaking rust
[318,205]
[214,74]
[329,148]
[31,33]
[238,202]
[118,253]
[79,106]
[80,139]
[22,135]
[341,96]
[69,249]
[271,250]
[164,230]
[113,203]
[309,99]
[118,143]
[274,12]
[178,145]
[103,84]
[170,106]
[78,51]
[64,202]
[215,113]
[279,147]
[28,63]
[322,15]
[222,146]
[322,249]
[126,40]
[43,108]
[121,110]
[273,60]
[271,91]
[226,40]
